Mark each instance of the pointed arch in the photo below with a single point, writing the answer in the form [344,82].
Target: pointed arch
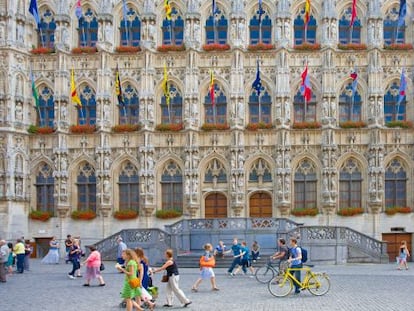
[171,181]
[216,112]
[172,112]
[128,186]
[350,104]
[396,182]
[305,184]
[45,187]
[173,29]
[215,172]
[260,171]
[87,112]
[86,183]
[350,183]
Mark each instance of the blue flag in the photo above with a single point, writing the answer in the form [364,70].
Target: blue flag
[257,83]
[260,11]
[402,13]
[124,10]
[403,87]
[34,11]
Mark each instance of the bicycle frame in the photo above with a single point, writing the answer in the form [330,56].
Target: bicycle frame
[303,284]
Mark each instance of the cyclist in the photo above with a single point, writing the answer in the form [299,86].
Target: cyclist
[282,254]
[295,261]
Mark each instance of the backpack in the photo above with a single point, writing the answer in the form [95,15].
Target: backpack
[304,254]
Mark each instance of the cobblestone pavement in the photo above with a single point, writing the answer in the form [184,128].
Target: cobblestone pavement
[360,287]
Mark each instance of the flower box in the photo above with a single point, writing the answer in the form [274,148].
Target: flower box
[125,214]
[310,211]
[43,130]
[261,47]
[127,49]
[215,126]
[40,215]
[397,209]
[350,211]
[306,125]
[85,49]
[399,46]
[170,127]
[42,50]
[352,46]
[401,124]
[167,214]
[352,124]
[82,129]
[216,47]
[171,48]
[259,126]
[83,215]
[122,128]
[308,46]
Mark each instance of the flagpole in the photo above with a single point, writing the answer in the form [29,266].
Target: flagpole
[260,109]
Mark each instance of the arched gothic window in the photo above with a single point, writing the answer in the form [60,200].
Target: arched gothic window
[261,30]
[217,113]
[86,183]
[304,111]
[393,33]
[172,187]
[87,112]
[260,112]
[393,110]
[46,31]
[45,185]
[350,185]
[172,113]
[88,29]
[129,187]
[349,34]
[215,172]
[129,110]
[46,107]
[217,27]
[260,172]
[305,184]
[302,34]
[173,29]
[395,185]
[349,105]
[130,28]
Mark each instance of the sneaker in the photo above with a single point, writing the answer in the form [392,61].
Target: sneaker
[187,304]
[70,276]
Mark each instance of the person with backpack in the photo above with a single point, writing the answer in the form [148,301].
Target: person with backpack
[295,260]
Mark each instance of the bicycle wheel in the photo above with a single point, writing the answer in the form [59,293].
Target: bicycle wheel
[319,284]
[280,286]
[264,274]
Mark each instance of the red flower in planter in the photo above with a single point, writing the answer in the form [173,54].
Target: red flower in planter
[85,49]
[352,46]
[83,215]
[174,127]
[40,215]
[171,48]
[127,49]
[121,128]
[216,47]
[42,50]
[82,129]
[125,214]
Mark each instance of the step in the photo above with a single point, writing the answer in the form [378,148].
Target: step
[192,261]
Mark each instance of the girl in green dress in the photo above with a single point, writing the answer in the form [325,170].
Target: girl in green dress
[130,271]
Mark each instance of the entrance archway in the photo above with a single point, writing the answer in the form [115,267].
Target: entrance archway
[261,205]
[216,206]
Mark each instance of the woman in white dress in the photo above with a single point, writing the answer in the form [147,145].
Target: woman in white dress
[52,256]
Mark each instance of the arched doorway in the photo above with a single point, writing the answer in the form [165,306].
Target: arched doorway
[216,206]
[261,205]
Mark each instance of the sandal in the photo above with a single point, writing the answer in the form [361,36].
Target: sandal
[194,290]
[215,289]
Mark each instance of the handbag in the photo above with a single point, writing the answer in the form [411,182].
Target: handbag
[165,278]
[134,282]
[102,267]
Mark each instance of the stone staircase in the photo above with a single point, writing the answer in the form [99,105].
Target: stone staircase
[191,260]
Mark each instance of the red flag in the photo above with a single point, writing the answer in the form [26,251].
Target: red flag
[353,13]
[305,87]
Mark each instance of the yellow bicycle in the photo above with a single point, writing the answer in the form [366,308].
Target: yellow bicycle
[317,283]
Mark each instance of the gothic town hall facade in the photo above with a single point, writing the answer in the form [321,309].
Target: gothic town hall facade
[110,108]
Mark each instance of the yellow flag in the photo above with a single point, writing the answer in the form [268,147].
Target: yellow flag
[168,9]
[165,86]
[73,93]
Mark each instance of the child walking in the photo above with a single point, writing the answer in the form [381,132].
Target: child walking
[207,263]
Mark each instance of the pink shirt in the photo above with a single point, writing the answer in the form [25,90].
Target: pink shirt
[94,259]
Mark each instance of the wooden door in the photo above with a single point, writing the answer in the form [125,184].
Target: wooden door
[393,243]
[260,205]
[215,206]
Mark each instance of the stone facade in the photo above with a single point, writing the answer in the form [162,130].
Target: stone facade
[237,153]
